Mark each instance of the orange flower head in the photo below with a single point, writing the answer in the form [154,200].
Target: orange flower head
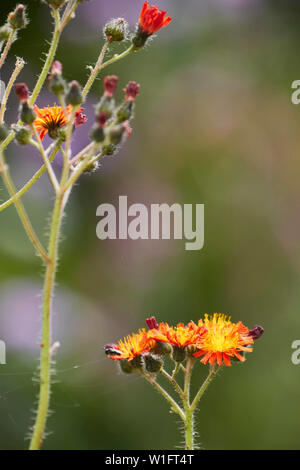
[52,118]
[180,335]
[152,19]
[223,340]
[132,346]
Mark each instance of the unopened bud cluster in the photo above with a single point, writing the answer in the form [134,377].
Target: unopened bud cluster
[112,120]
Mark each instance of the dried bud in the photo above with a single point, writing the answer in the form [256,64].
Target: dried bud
[153,363]
[179,354]
[97,134]
[3,132]
[4,33]
[131,91]
[116,30]
[23,136]
[27,114]
[17,19]
[256,332]
[56,3]
[151,323]
[80,118]
[22,92]
[74,94]
[110,85]
[102,118]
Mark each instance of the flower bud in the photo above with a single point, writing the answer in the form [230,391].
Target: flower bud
[126,366]
[256,332]
[163,349]
[117,133]
[153,363]
[97,134]
[151,323]
[22,92]
[4,33]
[131,91]
[106,105]
[116,30]
[124,112]
[27,114]
[56,3]
[108,149]
[110,84]
[23,136]
[102,118]
[3,132]
[57,85]
[179,354]
[74,94]
[17,19]
[137,362]
[91,168]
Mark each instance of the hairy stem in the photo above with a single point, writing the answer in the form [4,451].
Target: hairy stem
[7,46]
[20,209]
[189,419]
[212,373]
[18,67]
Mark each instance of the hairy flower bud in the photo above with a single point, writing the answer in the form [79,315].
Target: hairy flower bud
[153,363]
[17,19]
[126,366]
[3,132]
[22,92]
[27,114]
[108,149]
[179,354]
[131,91]
[256,332]
[23,136]
[163,349]
[74,94]
[5,31]
[97,134]
[116,30]
[110,84]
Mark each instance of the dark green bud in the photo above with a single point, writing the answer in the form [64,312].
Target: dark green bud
[62,134]
[137,362]
[162,348]
[23,136]
[74,94]
[116,30]
[179,354]
[4,33]
[57,85]
[124,112]
[116,134]
[17,19]
[105,105]
[3,132]
[27,114]
[97,134]
[125,366]
[91,168]
[153,363]
[139,39]
[108,149]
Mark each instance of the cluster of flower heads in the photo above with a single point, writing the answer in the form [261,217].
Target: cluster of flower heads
[215,338]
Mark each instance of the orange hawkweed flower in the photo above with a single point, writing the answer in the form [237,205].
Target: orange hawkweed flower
[223,340]
[152,19]
[131,346]
[52,118]
[180,335]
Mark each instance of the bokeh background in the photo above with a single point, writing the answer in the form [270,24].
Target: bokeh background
[214,125]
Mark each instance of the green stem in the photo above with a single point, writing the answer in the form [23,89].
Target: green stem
[7,46]
[20,209]
[45,359]
[28,185]
[18,67]
[212,373]
[173,382]
[189,418]
[95,70]
[174,406]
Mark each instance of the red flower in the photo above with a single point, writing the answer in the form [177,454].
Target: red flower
[152,19]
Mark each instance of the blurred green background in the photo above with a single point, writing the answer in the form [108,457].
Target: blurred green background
[215,125]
